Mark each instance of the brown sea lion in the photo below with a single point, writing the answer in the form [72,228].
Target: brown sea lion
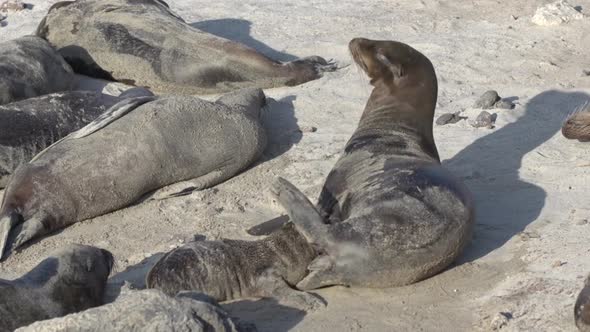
[577,125]
[137,146]
[144,43]
[582,308]
[70,280]
[388,214]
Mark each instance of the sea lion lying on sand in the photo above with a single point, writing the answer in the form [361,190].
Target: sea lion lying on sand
[137,146]
[31,125]
[30,67]
[144,43]
[145,310]
[70,280]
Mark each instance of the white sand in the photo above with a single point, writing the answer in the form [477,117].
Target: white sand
[530,250]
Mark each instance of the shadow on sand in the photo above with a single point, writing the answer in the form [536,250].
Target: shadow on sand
[506,204]
[238,30]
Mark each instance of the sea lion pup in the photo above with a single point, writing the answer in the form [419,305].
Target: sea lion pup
[144,43]
[388,214]
[145,310]
[233,269]
[582,308]
[577,125]
[70,280]
[138,145]
[31,125]
[30,67]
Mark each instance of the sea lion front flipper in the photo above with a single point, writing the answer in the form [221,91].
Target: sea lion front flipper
[268,227]
[7,223]
[271,284]
[24,232]
[303,214]
[115,112]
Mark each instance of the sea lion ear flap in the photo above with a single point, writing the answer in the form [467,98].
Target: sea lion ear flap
[89,264]
[396,68]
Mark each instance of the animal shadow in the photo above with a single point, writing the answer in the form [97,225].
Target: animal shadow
[280,124]
[238,30]
[267,314]
[505,203]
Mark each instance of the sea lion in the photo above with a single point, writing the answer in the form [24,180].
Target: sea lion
[138,145]
[577,125]
[233,269]
[144,43]
[31,125]
[70,280]
[145,310]
[30,67]
[388,214]
[582,308]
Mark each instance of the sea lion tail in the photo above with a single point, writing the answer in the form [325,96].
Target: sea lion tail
[7,223]
[303,214]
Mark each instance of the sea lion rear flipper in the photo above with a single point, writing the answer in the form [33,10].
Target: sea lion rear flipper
[269,226]
[7,223]
[115,112]
[304,215]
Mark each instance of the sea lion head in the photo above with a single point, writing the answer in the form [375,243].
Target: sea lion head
[81,276]
[577,126]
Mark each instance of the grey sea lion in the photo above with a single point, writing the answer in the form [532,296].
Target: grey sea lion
[145,310]
[70,280]
[232,269]
[30,67]
[144,43]
[582,308]
[577,125]
[138,145]
[388,214]
[31,125]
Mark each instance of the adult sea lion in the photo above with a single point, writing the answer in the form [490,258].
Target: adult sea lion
[144,43]
[70,280]
[145,310]
[577,125]
[388,214]
[233,269]
[30,67]
[137,146]
[31,125]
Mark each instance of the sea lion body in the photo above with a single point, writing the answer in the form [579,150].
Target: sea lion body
[390,214]
[31,125]
[145,310]
[233,269]
[30,67]
[582,308]
[144,43]
[102,168]
[70,280]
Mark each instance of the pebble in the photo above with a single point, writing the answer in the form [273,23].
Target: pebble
[12,5]
[447,118]
[556,13]
[487,100]
[504,104]
[500,320]
[582,222]
[558,264]
[484,119]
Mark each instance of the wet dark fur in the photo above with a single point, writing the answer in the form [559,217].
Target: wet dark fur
[72,281]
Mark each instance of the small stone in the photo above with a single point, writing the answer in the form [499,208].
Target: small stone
[12,5]
[487,100]
[585,72]
[484,119]
[500,320]
[556,13]
[504,104]
[558,264]
[582,222]
[449,118]
[308,129]
[2,17]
